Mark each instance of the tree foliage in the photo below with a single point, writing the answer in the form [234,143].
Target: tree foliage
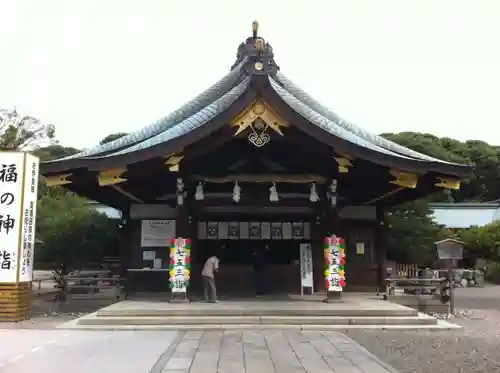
[413,233]
[482,242]
[18,132]
[72,232]
[113,137]
[412,228]
[484,183]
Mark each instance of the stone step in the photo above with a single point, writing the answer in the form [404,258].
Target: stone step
[439,326]
[256,320]
[248,312]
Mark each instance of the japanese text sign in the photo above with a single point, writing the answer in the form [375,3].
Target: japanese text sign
[18,195]
[180,264]
[334,252]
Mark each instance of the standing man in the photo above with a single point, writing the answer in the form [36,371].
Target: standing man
[209,269]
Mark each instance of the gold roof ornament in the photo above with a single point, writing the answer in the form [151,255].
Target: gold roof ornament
[255,29]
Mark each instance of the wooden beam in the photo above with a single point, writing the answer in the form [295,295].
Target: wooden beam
[126,194]
[404,179]
[111,177]
[383,196]
[173,162]
[448,183]
[58,180]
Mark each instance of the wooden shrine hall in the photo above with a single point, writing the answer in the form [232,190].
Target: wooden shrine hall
[253,162]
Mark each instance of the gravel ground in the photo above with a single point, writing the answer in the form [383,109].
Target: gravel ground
[475,349]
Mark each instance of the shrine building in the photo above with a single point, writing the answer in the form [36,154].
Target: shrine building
[253,162]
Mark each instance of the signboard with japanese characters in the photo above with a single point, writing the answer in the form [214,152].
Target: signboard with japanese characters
[334,252]
[157,233]
[18,194]
[306,266]
[180,264]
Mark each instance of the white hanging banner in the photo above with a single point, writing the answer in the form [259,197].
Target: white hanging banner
[18,195]
[306,266]
[157,233]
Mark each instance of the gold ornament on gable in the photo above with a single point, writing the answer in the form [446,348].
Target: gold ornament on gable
[259,119]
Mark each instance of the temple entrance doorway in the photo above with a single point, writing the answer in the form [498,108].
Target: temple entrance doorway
[267,260]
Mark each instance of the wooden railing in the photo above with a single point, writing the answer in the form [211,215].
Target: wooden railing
[90,285]
[407,270]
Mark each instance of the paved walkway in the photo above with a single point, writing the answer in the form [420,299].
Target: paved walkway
[269,351]
[230,351]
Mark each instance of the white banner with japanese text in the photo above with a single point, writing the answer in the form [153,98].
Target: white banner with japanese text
[306,265]
[18,194]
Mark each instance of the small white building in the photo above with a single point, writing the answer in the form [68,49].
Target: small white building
[466,214]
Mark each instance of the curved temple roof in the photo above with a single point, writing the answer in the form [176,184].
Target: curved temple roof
[255,63]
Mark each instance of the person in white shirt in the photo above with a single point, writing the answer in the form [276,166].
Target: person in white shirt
[209,269]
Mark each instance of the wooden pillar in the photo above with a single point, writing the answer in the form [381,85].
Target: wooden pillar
[317,237]
[332,225]
[126,248]
[381,246]
[181,213]
[183,220]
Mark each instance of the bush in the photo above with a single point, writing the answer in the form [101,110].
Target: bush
[493,273]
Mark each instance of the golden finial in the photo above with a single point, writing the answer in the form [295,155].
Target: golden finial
[255,28]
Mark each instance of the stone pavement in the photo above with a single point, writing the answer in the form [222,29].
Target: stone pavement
[267,351]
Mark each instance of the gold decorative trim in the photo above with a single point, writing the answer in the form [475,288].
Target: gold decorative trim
[174,162]
[111,177]
[58,180]
[344,164]
[267,178]
[258,117]
[126,194]
[448,183]
[404,178]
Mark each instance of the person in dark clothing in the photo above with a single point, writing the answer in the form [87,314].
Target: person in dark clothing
[259,266]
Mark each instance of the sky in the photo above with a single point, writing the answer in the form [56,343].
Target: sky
[97,67]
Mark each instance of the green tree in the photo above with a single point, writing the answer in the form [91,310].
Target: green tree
[72,232]
[19,132]
[412,234]
[484,182]
[482,242]
[51,152]
[113,137]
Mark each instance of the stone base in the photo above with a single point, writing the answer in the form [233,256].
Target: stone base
[179,301]
[15,302]
[333,296]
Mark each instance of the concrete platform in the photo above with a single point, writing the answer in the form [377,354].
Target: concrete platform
[359,312]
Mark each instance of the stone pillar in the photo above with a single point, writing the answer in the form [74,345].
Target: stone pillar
[381,246]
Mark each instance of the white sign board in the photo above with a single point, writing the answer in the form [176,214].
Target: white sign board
[157,233]
[148,255]
[306,265]
[18,195]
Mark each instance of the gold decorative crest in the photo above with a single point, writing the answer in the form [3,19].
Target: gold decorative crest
[258,118]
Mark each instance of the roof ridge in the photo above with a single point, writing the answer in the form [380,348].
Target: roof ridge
[377,140]
[215,91]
